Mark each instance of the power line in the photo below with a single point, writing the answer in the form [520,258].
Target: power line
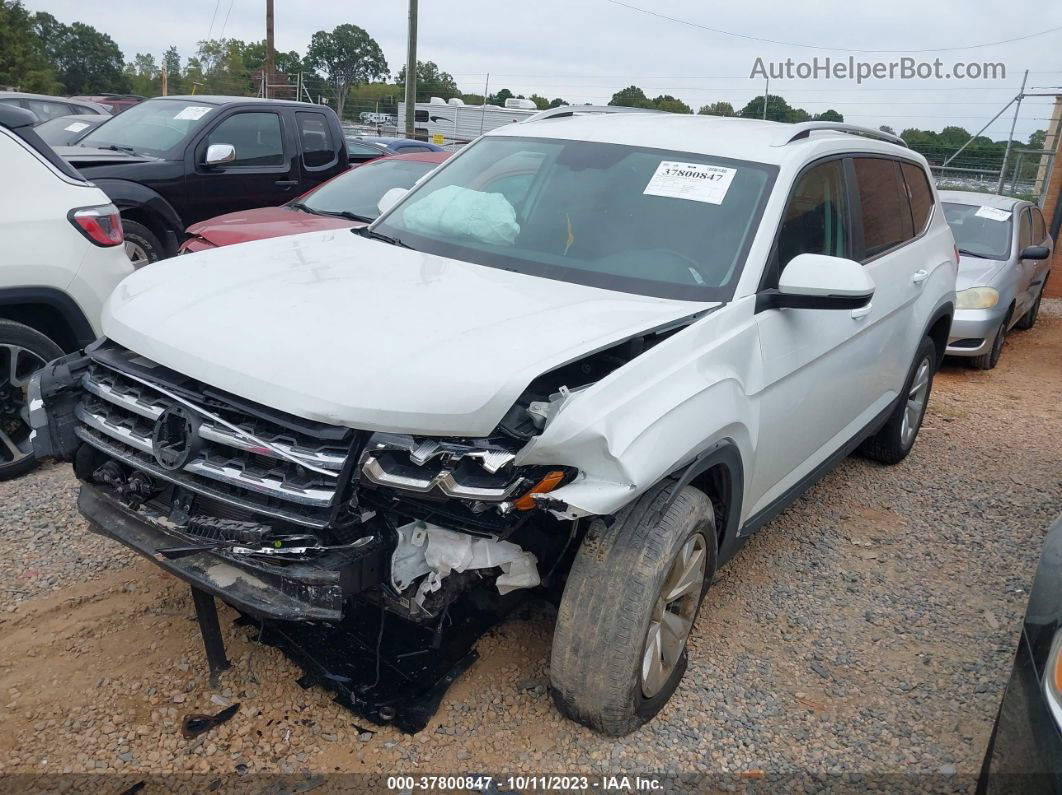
[210,30]
[819,47]
[226,22]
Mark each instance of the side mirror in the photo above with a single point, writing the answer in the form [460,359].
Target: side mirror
[390,199]
[216,154]
[816,281]
[1035,252]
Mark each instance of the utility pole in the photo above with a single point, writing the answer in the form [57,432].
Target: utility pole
[411,68]
[766,93]
[270,55]
[165,80]
[1014,121]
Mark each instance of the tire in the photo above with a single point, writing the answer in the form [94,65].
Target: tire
[610,605]
[894,441]
[23,351]
[142,246]
[986,361]
[1028,320]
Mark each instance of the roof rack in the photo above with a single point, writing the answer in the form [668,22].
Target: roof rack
[582,110]
[804,129]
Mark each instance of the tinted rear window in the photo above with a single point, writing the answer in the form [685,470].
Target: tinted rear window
[886,211]
[920,194]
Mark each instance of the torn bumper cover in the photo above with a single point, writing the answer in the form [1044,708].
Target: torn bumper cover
[293,592]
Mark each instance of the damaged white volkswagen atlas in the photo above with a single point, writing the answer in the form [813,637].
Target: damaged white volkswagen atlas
[596,352]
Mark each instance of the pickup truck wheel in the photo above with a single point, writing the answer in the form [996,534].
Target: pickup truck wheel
[632,596]
[894,441]
[23,351]
[141,244]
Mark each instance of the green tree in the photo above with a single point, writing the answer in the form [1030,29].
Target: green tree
[556,102]
[430,82]
[540,102]
[143,75]
[171,60]
[347,56]
[85,60]
[887,129]
[717,109]
[24,63]
[630,97]
[499,98]
[670,104]
[829,115]
[1037,139]
[777,108]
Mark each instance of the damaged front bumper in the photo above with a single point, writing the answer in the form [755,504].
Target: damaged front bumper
[297,591]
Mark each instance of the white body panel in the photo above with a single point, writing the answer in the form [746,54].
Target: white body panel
[463,122]
[41,247]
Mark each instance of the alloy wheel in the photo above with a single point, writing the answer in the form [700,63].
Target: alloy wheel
[916,403]
[136,253]
[17,364]
[673,615]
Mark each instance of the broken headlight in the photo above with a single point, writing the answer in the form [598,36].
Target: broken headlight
[477,470]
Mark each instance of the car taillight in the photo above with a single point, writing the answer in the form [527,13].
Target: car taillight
[102,225]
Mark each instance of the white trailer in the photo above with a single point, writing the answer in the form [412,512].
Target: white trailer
[455,123]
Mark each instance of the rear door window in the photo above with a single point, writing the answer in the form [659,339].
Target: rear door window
[885,208]
[318,148]
[920,195]
[1025,232]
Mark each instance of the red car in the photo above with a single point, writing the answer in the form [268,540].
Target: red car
[346,201]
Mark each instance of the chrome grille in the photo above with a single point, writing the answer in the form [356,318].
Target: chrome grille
[242,460]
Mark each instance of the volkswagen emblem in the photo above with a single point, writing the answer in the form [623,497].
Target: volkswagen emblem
[175,437]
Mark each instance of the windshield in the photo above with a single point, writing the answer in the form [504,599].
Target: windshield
[980,231]
[633,219]
[359,190]
[64,130]
[152,128]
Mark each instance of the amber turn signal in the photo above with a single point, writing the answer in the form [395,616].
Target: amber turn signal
[548,483]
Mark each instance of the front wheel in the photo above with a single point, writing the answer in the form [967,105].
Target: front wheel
[632,596]
[142,246]
[987,361]
[23,351]
[894,441]
[1028,320]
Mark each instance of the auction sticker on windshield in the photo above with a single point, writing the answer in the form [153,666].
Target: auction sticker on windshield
[694,181]
[193,113]
[993,212]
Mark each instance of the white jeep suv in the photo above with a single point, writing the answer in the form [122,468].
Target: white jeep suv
[596,351]
[61,255]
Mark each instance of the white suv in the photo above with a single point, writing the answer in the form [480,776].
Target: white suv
[596,351]
[60,256]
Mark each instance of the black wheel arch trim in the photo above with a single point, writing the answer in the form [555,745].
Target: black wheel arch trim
[62,303]
[723,453]
[129,195]
[946,309]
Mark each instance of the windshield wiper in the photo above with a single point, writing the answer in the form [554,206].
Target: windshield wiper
[348,215]
[119,148]
[973,254]
[394,241]
[303,207]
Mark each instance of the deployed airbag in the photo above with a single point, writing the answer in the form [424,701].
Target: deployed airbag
[454,211]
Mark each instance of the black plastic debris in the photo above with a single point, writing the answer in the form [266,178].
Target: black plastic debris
[194,725]
[404,684]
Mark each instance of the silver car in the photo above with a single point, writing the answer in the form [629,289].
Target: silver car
[1004,261]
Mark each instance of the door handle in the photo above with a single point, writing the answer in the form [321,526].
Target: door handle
[919,276]
[862,312]
[286,184]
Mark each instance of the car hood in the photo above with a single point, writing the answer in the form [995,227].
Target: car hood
[90,156]
[334,327]
[263,223]
[976,272]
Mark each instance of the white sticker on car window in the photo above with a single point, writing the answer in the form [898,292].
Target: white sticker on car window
[193,113]
[694,181]
[77,126]
[994,213]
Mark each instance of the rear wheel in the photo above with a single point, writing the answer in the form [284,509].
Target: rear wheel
[23,351]
[894,441]
[632,596]
[141,244]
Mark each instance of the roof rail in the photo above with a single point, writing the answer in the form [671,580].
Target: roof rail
[582,110]
[804,129]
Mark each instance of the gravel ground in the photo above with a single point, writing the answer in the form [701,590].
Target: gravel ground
[869,629]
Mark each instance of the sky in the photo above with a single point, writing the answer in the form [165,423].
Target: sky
[585,50]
